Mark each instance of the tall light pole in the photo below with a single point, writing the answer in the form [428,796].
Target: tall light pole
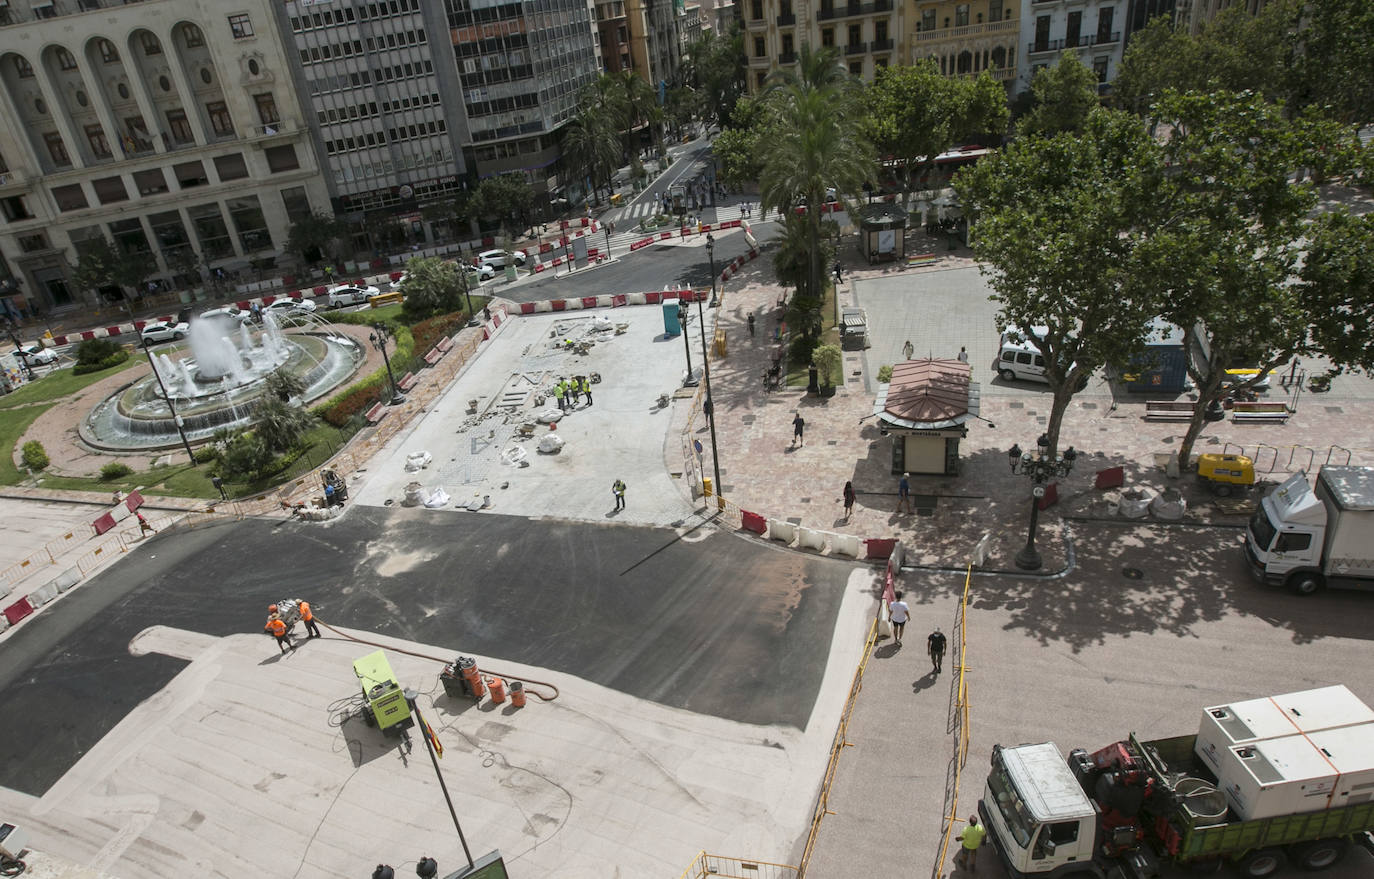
[711,255]
[429,746]
[1040,468]
[682,314]
[176,419]
[708,407]
[379,338]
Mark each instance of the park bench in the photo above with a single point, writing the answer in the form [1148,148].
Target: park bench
[1169,410]
[407,381]
[917,260]
[375,413]
[1271,413]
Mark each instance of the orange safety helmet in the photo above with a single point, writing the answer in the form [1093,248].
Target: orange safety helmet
[271,608]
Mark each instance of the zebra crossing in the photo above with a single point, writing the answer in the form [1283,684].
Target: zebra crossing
[648,207]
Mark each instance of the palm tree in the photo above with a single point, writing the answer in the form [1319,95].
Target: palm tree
[639,103]
[591,145]
[814,144]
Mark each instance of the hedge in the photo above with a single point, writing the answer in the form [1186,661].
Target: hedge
[113,360]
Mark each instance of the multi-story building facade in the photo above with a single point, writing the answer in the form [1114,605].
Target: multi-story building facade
[967,37]
[866,33]
[655,44]
[170,127]
[1092,28]
[613,34]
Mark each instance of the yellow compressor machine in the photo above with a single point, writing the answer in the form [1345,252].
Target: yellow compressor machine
[384,702]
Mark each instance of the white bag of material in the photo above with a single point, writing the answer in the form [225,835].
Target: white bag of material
[601,322]
[418,461]
[1135,505]
[550,443]
[437,498]
[1168,508]
[549,416]
[516,456]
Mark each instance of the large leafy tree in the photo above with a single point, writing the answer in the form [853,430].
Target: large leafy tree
[505,197]
[817,144]
[1063,96]
[716,67]
[1335,58]
[1058,219]
[914,113]
[101,264]
[591,147]
[738,148]
[1235,216]
[316,237]
[431,286]
[1338,270]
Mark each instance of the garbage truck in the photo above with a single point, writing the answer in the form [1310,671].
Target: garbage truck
[1131,808]
[1308,538]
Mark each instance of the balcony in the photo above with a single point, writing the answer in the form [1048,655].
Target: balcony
[856,48]
[881,45]
[999,74]
[827,13]
[1040,47]
[969,30]
[12,182]
[787,19]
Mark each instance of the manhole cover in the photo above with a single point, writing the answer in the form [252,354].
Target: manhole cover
[1132,573]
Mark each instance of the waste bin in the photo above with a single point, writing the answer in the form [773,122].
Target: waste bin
[707,487]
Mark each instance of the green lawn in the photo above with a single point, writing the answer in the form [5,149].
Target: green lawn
[12,427]
[62,383]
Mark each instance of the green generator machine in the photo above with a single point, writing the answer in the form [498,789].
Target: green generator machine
[384,702]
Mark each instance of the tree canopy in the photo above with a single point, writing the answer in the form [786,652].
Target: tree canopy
[1062,97]
[431,286]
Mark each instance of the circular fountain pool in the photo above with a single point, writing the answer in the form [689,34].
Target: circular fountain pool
[219,382]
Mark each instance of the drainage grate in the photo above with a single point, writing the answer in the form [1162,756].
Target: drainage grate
[747,419]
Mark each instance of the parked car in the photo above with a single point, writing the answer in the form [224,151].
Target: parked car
[350,294]
[497,258]
[36,354]
[291,306]
[228,311]
[164,331]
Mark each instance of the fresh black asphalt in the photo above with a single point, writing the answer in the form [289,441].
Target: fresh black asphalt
[711,622]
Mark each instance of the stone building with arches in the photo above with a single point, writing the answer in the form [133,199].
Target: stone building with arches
[967,37]
[164,126]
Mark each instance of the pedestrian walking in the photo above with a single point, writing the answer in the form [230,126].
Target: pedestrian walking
[219,486]
[587,389]
[618,489]
[972,837]
[963,354]
[143,526]
[307,617]
[904,493]
[751,325]
[935,646]
[897,614]
[278,630]
[907,350]
[848,499]
[839,272]
[798,430]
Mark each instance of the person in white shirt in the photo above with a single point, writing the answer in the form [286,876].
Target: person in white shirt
[898,614]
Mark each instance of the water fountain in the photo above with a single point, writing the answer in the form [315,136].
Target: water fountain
[218,385]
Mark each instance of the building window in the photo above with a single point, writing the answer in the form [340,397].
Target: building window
[150,182]
[100,146]
[208,223]
[828,37]
[995,10]
[193,36]
[928,20]
[1100,68]
[109,190]
[856,68]
[65,60]
[57,149]
[240,26]
[961,15]
[190,175]
[880,30]
[168,232]
[756,10]
[297,204]
[15,209]
[759,47]
[129,237]
[22,68]
[180,126]
[231,167]
[855,34]
[220,121]
[281,158]
[151,44]
[787,45]
[32,243]
[267,108]
[108,53]
[1073,29]
[246,214]
[1104,24]
[69,198]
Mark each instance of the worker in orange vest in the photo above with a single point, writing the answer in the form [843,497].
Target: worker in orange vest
[309,619]
[278,630]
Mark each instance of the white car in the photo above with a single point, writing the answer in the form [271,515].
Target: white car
[291,306]
[164,331]
[232,312]
[349,294]
[497,258]
[36,354]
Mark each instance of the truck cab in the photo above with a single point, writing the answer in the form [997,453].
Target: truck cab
[1036,814]
[1285,537]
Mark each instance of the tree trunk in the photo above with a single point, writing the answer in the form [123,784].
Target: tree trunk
[1210,394]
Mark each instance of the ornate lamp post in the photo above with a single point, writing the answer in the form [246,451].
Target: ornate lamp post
[379,337]
[711,255]
[1040,468]
[682,314]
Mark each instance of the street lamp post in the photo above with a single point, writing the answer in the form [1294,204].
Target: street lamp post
[420,721]
[1040,468]
[379,337]
[709,407]
[467,294]
[167,397]
[682,314]
[711,255]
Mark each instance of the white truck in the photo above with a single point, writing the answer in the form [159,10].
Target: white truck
[1306,538]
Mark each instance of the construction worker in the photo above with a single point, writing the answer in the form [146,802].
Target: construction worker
[587,389]
[567,394]
[560,392]
[278,630]
[312,630]
[618,489]
[575,385]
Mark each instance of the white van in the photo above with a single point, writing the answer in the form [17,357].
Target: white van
[1021,359]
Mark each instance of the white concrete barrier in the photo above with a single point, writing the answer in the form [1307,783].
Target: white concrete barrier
[42,595]
[605,301]
[846,544]
[543,306]
[635,299]
[809,538]
[782,531]
[67,579]
[574,304]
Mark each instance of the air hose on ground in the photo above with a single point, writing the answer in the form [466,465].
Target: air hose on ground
[526,682]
